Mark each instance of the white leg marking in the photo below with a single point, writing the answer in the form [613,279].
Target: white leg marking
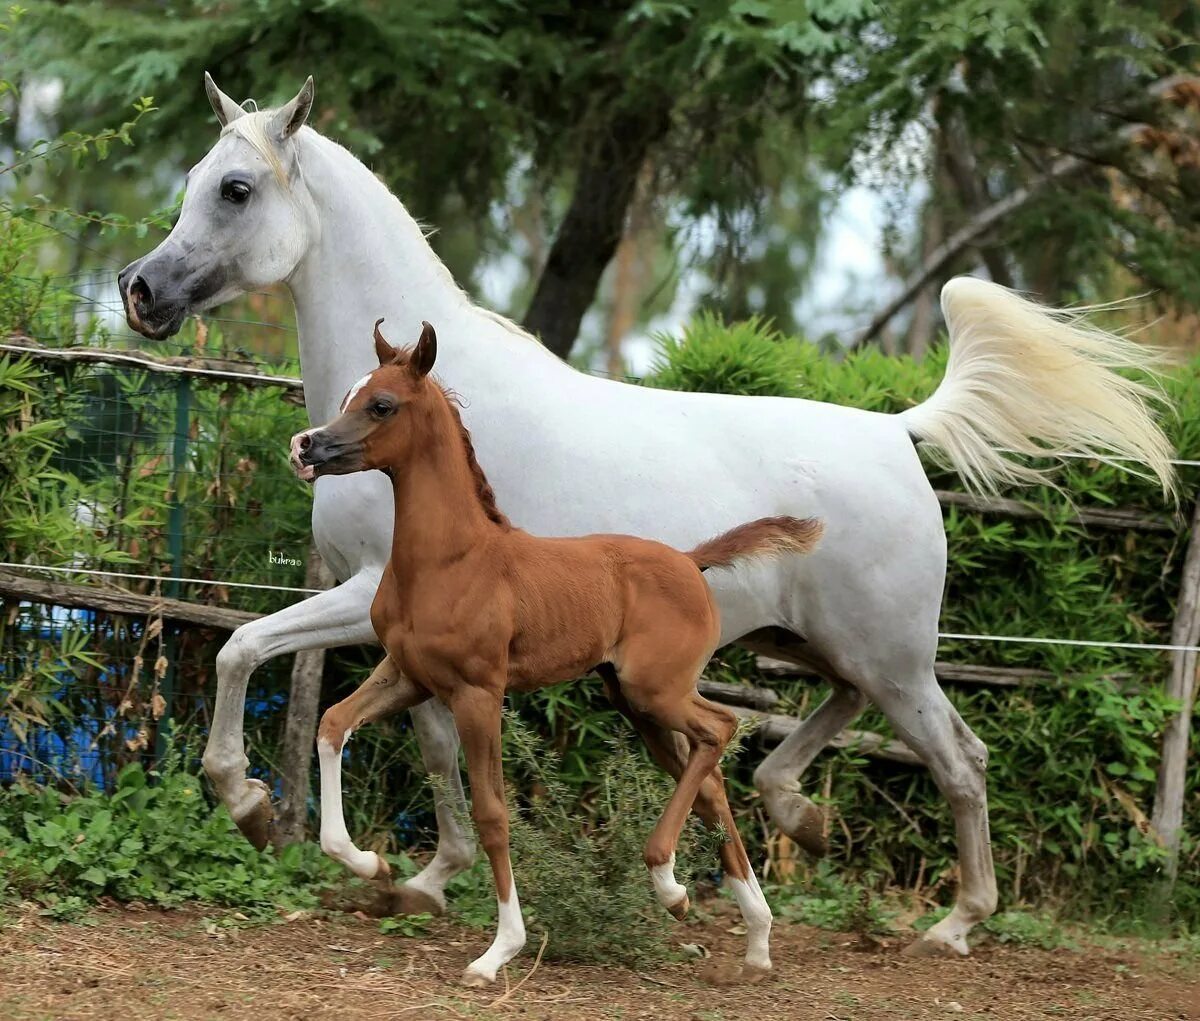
[757,915]
[510,938]
[667,888]
[335,838]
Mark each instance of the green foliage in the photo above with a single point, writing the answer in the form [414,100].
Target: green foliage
[405,925]
[829,899]
[1002,89]
[747,358]
[1028,928]
[588,889]
[152,839]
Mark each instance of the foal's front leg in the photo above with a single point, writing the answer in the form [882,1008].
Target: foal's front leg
[385,692]
[477,716]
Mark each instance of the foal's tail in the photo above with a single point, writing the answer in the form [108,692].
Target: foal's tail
[766,537]
[1028,380]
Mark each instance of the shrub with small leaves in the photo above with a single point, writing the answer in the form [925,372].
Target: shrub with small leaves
[153,838]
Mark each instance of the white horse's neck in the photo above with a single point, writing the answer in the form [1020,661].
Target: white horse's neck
[369,259]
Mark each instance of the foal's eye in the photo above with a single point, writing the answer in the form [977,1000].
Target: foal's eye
[381,408]
[235,191]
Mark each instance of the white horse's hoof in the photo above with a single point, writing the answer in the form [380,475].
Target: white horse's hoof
[798,817]
[253,814]
[476,980]
[410,900]
[938,945]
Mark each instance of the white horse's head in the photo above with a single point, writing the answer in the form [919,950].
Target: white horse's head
[246,220]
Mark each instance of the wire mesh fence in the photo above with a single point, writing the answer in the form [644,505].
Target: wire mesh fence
[161,485]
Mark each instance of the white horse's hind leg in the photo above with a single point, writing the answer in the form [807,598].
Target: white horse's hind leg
[438,739]
[778,777]
[926,721]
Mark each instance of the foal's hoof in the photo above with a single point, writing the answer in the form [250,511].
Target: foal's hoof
[404,900]
[680,908]
[799,818]
[255,817]
[474,980]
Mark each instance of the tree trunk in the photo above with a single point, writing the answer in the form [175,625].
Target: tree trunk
[300,727]
[592,227]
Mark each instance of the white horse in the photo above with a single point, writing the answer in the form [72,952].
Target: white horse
[570,454]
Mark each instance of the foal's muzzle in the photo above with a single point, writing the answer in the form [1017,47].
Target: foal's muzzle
[316,452]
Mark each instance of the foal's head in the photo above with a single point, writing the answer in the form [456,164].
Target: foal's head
[374,425]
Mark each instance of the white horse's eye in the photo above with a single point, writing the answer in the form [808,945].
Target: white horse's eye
[235,190]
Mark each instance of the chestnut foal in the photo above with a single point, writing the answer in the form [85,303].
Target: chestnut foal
[470,607]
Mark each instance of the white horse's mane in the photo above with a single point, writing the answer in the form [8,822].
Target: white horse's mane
[253,127]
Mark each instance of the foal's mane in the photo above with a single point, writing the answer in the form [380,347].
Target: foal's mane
[483,488]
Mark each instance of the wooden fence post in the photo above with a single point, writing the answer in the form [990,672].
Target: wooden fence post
[300,726]
[1167,818]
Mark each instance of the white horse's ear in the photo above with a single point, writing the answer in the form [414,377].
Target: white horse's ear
[224,107]
[290,117]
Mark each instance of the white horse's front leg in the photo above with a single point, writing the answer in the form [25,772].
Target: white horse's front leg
[340,616]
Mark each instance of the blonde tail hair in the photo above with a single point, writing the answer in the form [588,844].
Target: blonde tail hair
[1037,382]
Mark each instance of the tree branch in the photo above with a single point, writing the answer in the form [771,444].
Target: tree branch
[986,219]
[964,238]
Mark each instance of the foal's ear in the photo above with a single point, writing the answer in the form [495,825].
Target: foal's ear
[383,350]
[425,353]
[290,117]
[224,107]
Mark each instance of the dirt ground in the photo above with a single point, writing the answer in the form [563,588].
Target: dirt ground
[131,965]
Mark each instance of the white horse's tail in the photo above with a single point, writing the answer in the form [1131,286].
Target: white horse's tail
[1030,381]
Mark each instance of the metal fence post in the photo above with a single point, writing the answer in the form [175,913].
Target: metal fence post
[175,523]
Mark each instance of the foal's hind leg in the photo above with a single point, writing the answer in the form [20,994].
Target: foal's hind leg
[669,750]
[385,692]
[674,704]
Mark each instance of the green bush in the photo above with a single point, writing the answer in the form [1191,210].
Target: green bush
[744,358]
[154,839]
[587,886]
